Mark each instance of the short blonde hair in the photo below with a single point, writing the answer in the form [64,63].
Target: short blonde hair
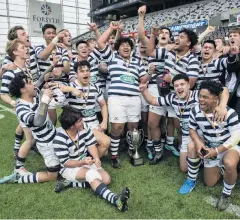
[12,46]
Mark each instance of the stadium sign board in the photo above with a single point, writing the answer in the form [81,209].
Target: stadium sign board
[190,25]
[113,7]
[42,13]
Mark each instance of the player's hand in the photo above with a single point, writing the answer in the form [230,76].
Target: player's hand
[77,93]
[92,26]
[234,50]
[103,67]
[151,68]
[167,78]
[120,26]
[88,161]
[57,72]
[70,55]
[226,50]
[102,127]
[210,29]
[114,25]
[201,148]
[212,153]
[220,113]
[56,59]
[62,34]
[142,11]
[143,86]
[97,162]
[46,96]
[9,66]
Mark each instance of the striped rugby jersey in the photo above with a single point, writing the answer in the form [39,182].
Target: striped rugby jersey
[7,78]
[188,64]
[95,95]
[32,63]
[44,64]
[178,105]
[125,78]
[159,65]
[211,71]
[214,136]
[65,149]
[26,111]
[94,72]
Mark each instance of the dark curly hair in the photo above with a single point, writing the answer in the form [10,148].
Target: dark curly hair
[192,36]
[81,42]
[69,116]
[210,42]
[123,40]
[17,83]
[46,26]
[214,87]
[81,64]
[180,76]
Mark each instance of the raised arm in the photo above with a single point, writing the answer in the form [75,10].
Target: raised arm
[48,50]
[94,27]
[149,98]
[209,30]
[105,36]
[141,34]
[151,44]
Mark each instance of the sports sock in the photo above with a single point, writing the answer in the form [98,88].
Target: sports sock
[29,178]
[114,145]
[193,167]
[149,143]
[227,189]
[106,194]
[157,146]
[19,162]
[170,140]
[80,185]
[17,143]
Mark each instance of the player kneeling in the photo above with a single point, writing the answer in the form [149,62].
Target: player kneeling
[75,146]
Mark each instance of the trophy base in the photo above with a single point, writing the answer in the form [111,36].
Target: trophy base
[136,161]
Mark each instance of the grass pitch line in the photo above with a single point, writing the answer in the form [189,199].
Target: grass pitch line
[232,209]
[7,109]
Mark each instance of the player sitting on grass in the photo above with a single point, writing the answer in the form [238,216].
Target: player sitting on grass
[75,146]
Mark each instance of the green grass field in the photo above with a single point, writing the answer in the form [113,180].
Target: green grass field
[154,190]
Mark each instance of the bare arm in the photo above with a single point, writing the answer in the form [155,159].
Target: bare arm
[151,44]
[94,27]
[105,36]
[104,112]
[141,14]
[209,30]
[6,98]
[149,98]
[48,50]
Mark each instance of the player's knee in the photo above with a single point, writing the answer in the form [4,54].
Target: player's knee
[229,164]
[210,183]
[52,176]
[92,175]
[106,180]
[153,124]
[105,142]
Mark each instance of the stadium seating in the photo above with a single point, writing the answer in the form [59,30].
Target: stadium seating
[187,13]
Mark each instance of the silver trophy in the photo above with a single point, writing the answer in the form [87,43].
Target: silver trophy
[135,138]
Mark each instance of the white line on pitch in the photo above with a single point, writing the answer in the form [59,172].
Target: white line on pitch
[233,209]
[7,109]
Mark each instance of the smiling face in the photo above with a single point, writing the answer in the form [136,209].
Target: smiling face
[125,50]
[83,75]
[208,50]
[182,42]
[83,50]
[67,39]
[21,51]
[182,88]
[23,36]
[49,34]
[164,37]
[29,88]
[207,101]
[234,39]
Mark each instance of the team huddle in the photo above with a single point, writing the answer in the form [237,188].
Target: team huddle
[112,84]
